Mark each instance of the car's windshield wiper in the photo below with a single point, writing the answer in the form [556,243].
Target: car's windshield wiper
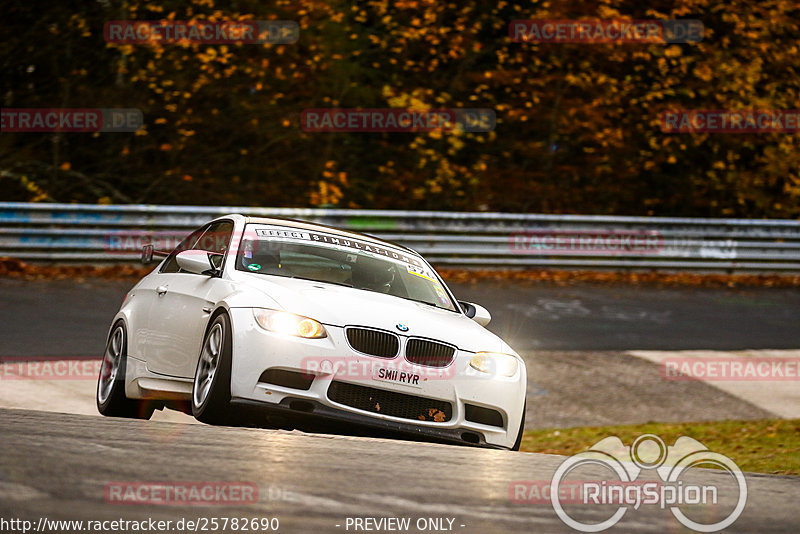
[322,281]
[425,302]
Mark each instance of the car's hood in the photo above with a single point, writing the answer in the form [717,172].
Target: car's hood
[343,306]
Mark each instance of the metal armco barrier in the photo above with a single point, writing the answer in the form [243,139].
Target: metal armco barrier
[88,233]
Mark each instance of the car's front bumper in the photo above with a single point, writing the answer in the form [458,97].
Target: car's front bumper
[255,350]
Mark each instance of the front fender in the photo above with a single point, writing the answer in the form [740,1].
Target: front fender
[251,298]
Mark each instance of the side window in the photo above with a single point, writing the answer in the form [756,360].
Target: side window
[171,265]
[216,239]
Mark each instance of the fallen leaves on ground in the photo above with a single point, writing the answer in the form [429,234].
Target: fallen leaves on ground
[14,268]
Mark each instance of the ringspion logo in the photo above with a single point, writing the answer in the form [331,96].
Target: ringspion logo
[648,453]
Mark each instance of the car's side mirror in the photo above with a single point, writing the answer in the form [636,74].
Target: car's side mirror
[476,312]
[147,254]
[196,261]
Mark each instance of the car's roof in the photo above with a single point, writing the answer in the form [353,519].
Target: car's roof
[306,225]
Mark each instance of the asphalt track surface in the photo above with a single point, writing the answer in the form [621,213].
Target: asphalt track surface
[70,318]
[57,465]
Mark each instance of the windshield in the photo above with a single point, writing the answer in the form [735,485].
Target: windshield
[295,253]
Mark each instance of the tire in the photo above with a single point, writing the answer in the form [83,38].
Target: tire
[110,396]
[211,392]
[518,442]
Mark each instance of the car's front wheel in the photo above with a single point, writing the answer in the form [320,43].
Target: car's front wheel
[111,399]
[211,393]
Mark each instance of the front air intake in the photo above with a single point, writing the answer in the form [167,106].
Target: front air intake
[287,379]
[484,416]
[390,403]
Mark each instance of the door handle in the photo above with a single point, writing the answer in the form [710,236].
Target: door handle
[161,290]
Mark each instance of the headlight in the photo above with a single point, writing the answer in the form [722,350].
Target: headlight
[494,363]
[289,324]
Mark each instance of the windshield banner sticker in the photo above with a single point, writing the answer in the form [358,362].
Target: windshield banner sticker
[314,237]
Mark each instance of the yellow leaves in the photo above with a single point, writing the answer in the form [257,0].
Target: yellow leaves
[209,55]
[125,49]
[672,51]
[161,120]
[65,166]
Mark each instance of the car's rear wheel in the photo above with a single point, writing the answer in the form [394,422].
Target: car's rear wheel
[111,399]
[518,442]
[211,393]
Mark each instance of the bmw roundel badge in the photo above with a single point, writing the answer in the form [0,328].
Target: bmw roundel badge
[402,327]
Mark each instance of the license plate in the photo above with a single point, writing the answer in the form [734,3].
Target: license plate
[396,376]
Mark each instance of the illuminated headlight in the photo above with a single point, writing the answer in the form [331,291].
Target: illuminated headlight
[289,324]
[494,363]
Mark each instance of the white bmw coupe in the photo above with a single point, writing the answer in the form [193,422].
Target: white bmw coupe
[304,320]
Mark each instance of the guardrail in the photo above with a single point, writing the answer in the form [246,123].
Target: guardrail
[103,234]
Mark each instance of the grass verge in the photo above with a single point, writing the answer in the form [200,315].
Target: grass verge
[762,446]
